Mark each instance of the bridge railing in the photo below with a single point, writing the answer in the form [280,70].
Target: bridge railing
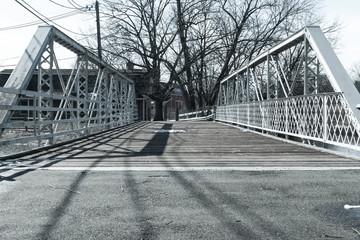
[203,113]
[297,89]
[43,103]
[321,117]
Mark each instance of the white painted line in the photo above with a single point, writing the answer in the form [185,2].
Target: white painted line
[169,131]
[351,206]
[183,169]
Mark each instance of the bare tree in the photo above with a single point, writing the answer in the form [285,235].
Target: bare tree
[216,37]
[139,32]
[199,42]
[355,74]
[254,25]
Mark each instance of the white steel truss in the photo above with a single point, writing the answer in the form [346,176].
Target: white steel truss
[297,89]
[92,97]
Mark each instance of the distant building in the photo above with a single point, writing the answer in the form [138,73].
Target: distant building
[143,102]
[175,101]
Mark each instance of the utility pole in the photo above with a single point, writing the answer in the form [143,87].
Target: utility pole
[98,29]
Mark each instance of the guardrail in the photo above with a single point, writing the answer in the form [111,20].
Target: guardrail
[205,113]
[322,118]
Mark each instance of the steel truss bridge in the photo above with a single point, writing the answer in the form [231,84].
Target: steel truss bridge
[91,98]
[298,89]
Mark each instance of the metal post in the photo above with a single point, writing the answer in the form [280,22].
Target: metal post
[325,133]
[276,79]
[243,97]
[98,29]
[143,110]
[287,117]
[306,49]
[247,85]
[317,76]
[268,78]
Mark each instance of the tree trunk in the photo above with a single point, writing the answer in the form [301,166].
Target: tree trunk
[200,100]
[193,101]
[158,111]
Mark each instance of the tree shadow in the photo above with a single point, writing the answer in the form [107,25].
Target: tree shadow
[242,226]
[141,212]
[156,146]
[81,146]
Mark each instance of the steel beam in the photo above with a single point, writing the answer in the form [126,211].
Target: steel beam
[314,112]
[72,110]
[23,72]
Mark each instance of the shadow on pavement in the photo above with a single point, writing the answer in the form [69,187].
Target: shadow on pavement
[239,225]
[140,211]
[82,146]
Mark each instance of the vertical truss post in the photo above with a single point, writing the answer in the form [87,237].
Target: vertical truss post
[227,93]
[306,65]
[325,118]
[317,77]
[115,100]
[276,83]
[45,85]
[287,115]
[243,93]
[133,106]
[123,92]
[103,99]
[257,86]
[247,85]
[82,92]
[238,100]
[127,103]
[268,79]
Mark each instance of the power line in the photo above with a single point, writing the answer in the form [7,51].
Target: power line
[11,65]
[31,12]
[11,58]
[81,8]
[74,3]
[43,16]
[28,24]
[61,5]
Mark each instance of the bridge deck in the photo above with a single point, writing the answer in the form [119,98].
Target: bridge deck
[186,145]
[116,204]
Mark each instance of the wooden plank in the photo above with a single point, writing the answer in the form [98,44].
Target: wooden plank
[203,144]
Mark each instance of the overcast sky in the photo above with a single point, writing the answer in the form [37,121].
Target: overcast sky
[348,12]
[13,42]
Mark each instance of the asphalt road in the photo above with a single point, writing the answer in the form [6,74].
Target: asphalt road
[46,204]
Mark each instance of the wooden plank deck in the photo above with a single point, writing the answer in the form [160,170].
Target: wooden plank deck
[192,145]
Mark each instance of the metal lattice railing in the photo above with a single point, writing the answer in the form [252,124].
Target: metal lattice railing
[322,117]
[297,88]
